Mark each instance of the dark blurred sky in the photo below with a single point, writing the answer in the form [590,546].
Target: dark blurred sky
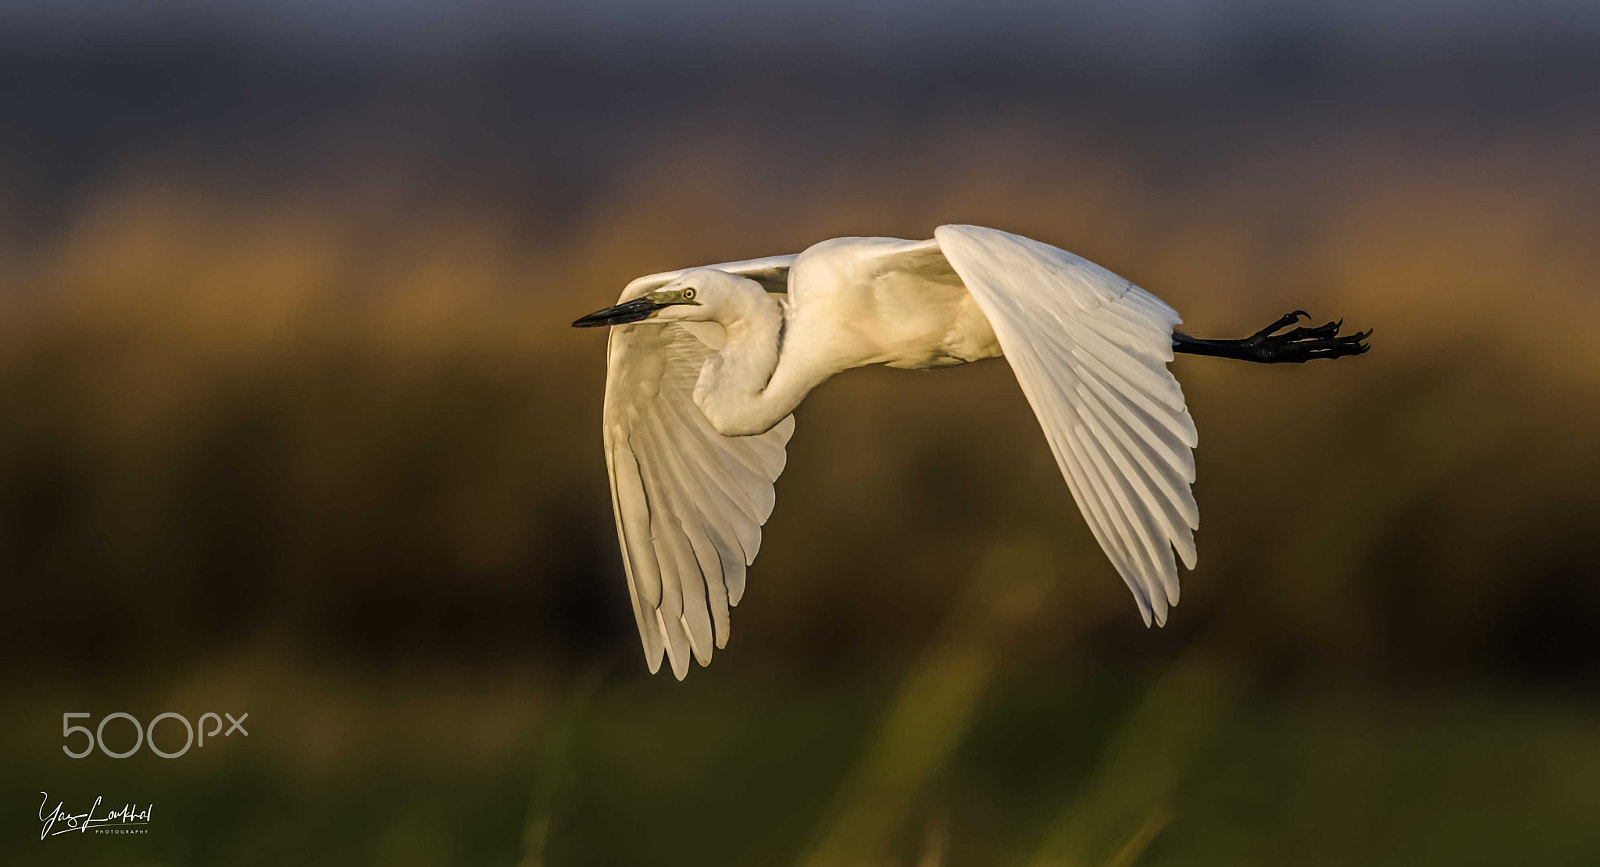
[1158,32]
[549,102]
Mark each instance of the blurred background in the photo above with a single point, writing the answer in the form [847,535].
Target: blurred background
[292,423]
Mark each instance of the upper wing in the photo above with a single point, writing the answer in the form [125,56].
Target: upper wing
[689,502]
[1090,350]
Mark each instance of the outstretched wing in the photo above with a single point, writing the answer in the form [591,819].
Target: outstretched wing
[689,502]
[1090,350]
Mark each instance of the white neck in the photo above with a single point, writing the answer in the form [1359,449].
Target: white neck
[736,388]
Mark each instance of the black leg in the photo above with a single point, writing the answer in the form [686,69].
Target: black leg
[1269,347]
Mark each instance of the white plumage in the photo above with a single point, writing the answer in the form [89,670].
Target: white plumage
[706,366]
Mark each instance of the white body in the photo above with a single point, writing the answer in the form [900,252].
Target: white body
[847,308]
[699,400]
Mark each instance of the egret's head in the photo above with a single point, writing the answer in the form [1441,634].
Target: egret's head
[695,296]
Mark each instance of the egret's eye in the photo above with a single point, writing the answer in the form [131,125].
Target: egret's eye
[688,294]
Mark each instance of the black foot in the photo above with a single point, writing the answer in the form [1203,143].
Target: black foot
[1268,346]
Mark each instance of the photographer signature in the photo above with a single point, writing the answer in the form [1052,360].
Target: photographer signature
[128,820]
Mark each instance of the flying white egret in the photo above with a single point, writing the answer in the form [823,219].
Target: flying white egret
[709,363]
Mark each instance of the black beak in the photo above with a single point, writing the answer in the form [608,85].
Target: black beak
[622,314]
